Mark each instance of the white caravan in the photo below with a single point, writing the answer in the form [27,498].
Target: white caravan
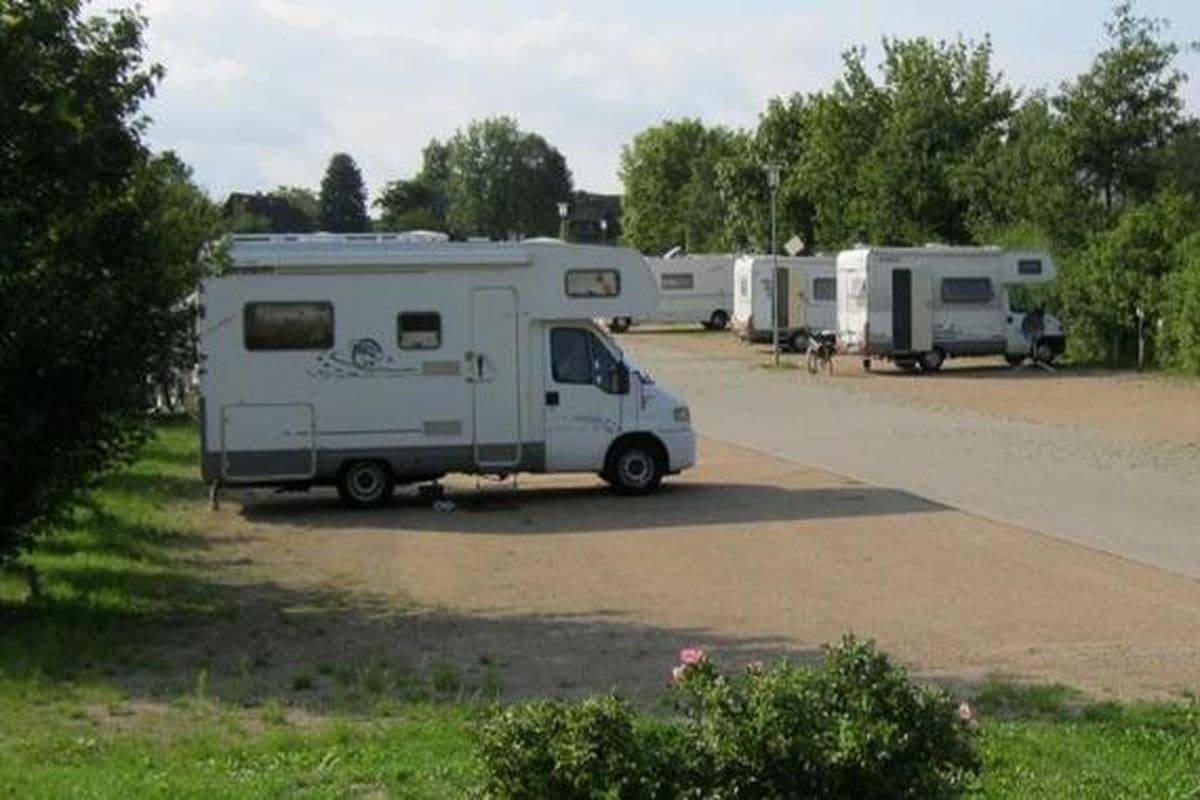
[919,306]
[364,361]
[691,289]
[807,298]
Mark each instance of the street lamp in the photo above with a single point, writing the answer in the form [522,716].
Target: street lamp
[603,230]
[562,219]
[773,183]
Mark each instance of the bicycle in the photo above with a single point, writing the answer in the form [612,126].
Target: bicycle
[822,345]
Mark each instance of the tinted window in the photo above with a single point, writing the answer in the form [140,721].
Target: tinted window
[570,358]
[419,330]
[593,283]
[966,290]
[677,281]
[1029,266]
[824,289]
[288,326]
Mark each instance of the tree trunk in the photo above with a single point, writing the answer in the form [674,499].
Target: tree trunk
[35,582]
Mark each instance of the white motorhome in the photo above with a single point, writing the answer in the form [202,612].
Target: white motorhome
[364,361]
[919,306]
[691,289]
[807,298]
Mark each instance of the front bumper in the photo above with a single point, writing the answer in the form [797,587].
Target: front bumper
[1057,343]
[681,449]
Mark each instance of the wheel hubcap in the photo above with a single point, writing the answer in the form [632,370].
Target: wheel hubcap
[636,469]
[366,483]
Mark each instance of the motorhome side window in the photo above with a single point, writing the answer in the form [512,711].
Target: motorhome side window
[824,290]
[677,281]
[1029,266]
[593,283]
[570,355]
[419,330]
[288,326]
[577,356]
[967,290]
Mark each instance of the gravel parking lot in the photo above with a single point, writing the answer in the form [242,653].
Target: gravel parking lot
[1109,461]
[565,588]
[766,548]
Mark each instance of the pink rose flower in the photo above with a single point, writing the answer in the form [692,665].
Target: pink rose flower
[692,655]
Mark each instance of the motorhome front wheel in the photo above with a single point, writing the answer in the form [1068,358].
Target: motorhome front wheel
[635,468]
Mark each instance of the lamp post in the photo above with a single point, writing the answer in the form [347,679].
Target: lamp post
[562,219]
[773,183]
[603,230]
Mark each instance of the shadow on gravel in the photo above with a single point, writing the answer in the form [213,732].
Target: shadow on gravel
[584,509]
[191,637]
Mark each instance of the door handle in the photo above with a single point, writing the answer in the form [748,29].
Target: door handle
[551,398]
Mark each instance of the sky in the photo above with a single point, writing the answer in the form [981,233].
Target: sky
[260,93]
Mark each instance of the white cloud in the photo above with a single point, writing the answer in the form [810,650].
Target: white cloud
[261,92]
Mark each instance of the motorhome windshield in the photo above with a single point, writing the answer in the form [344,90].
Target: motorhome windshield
[620,354]
[1023,299]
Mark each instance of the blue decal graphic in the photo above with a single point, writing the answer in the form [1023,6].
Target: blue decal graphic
[364,358]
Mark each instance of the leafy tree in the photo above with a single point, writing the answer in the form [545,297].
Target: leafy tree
[843,127]
[1024,191]
[284,210]
[100,247]
[1121,113]
[419,203]
[945,109]
[1121,270]
[305,204]
[669,172]
[411,205]
[780,138]
[500,180]
[1181,160]
[1180,344]
[343,197]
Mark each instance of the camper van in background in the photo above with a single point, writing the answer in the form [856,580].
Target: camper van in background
[365,361]
[691,290]
[919,306]
[807,298]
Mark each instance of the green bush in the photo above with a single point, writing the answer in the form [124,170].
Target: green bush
[1181,312]
[587,749]
[856,727]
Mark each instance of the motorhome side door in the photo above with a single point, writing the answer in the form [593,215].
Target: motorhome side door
[493,369]
[798,301]
[583,408]
[783,298]
[912,311]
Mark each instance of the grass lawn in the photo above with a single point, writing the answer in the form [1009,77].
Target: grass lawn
[96,702]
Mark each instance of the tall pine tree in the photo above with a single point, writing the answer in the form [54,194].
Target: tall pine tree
[343,197]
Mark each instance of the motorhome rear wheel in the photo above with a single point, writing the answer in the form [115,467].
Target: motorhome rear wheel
[798,342]
[932,361]
[365,484]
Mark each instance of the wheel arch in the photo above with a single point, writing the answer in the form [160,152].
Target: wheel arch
[640,437]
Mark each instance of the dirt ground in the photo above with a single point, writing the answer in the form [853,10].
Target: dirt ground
[564,588]
[1126,403]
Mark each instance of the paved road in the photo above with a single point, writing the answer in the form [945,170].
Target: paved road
[1124,496]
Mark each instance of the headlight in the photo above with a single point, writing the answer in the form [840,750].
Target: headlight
[682,414]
